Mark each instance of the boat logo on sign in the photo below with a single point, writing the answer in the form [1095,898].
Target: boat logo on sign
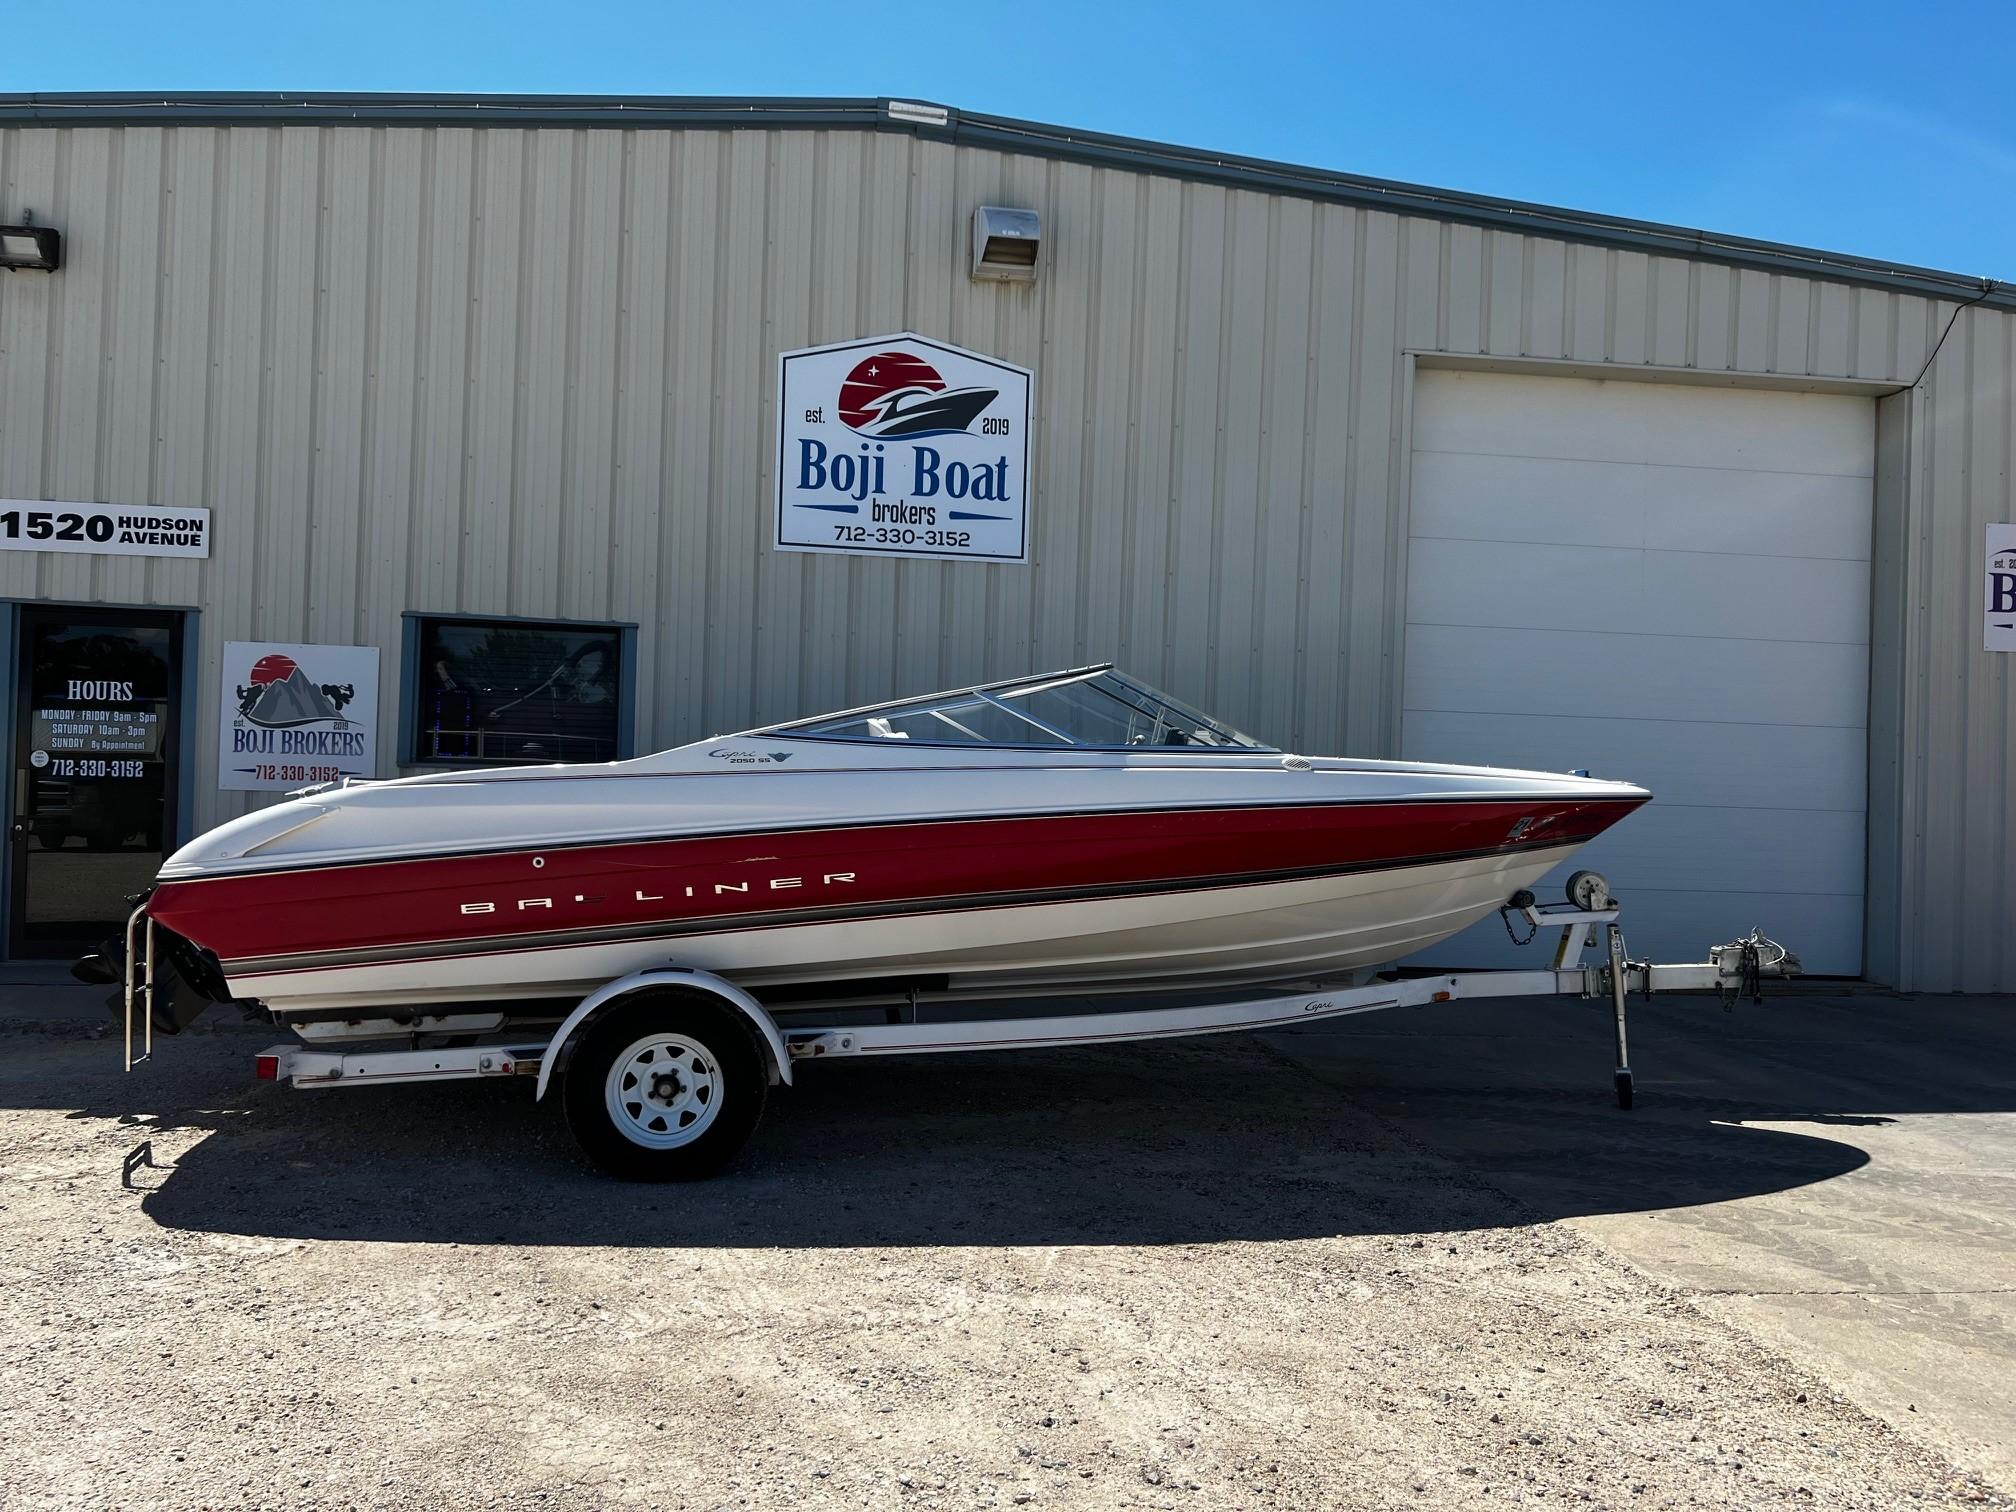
[898,394]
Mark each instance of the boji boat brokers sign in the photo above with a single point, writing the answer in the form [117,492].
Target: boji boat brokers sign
[900,446]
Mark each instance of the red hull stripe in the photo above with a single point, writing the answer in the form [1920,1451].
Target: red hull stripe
[925,908]
[509,900]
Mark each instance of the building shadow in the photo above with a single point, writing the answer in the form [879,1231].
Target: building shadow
[1465,1117]
[1734,1102]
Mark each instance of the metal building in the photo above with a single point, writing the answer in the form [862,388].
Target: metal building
[1364,467]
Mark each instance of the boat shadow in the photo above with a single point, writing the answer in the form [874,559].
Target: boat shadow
[1427,1125]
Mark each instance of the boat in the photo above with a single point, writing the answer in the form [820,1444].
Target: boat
[912,414]
[1071,832]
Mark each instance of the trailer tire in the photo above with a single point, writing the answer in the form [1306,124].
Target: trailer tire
[664,1087]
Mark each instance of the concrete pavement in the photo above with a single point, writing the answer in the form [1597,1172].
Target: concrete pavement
[1833,1174]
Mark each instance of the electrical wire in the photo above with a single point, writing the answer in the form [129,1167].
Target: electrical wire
[1987,288]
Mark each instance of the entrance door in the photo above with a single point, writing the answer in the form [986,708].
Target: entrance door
[94,770]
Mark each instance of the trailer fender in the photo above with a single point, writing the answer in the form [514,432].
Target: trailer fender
[669,976]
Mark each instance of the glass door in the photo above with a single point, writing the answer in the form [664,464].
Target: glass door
[95,757]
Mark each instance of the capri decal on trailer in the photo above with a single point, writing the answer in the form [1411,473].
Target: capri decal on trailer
[900,446]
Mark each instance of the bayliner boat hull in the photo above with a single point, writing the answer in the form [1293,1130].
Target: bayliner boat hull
[1220,893]
[793,856]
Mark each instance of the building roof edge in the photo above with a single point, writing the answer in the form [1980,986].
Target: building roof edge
[1000,133]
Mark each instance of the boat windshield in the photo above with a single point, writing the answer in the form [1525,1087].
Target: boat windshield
[1095,707]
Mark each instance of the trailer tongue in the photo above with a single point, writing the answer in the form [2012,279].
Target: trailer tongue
[664,1071]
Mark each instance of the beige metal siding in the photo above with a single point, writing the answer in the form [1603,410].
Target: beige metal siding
[1959,719]
[531,372]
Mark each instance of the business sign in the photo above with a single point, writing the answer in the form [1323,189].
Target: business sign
[97,729]
[1999,594]
[107,529]
[898,446]
[295,715]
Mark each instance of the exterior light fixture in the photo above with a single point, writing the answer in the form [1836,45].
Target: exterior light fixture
[30,247]
[918,112]
[1005,244]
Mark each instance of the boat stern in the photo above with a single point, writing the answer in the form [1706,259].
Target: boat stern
[153,970]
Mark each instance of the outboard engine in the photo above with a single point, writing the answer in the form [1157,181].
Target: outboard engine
[187,978]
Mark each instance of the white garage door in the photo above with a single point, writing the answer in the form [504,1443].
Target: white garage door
[1666,584]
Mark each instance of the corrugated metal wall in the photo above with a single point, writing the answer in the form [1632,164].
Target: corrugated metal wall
[531,371]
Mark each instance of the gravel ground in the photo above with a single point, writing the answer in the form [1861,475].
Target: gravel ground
[1185,1275]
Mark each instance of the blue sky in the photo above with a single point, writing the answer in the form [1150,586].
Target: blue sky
[1884,130]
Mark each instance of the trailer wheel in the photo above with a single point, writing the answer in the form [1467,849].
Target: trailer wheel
[665,1088]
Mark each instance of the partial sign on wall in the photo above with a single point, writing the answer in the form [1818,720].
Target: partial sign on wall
[106,529]
[899,446]
[296,715]
[1999,593]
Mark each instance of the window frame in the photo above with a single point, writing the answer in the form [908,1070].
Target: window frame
[413,625]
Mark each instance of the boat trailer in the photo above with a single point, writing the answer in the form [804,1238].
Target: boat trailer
[650,1063]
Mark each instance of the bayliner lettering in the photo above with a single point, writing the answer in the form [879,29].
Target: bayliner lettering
[691,890]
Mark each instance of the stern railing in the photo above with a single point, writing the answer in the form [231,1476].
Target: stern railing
[145,986]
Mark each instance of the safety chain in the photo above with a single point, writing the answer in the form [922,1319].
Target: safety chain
[1749,982]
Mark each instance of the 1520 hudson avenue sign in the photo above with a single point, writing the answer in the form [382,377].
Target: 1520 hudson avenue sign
[899,446]
[107,529]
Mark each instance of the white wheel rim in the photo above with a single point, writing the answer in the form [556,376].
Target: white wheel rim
[664,1091]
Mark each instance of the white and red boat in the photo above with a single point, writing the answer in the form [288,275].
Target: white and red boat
[1071,831]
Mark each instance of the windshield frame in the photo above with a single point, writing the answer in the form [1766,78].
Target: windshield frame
[1004,695]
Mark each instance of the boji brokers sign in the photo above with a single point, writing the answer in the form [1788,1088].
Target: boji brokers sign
[296,715]
[899,446]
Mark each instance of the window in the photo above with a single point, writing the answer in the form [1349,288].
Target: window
[1094,707]
[507,692]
